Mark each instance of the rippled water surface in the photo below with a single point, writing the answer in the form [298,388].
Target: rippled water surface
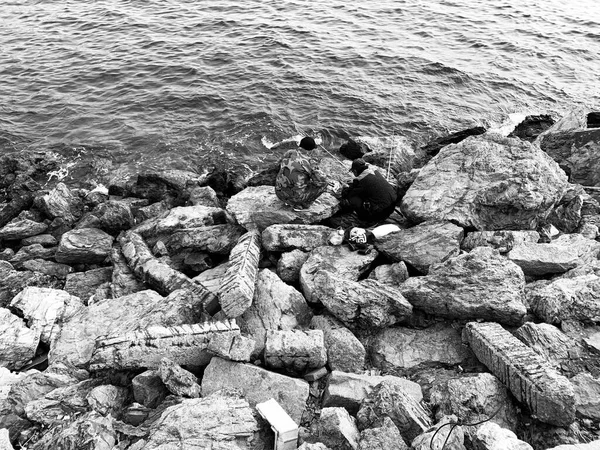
[189,82]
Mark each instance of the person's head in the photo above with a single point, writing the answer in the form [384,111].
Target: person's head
[358,166]
[308,143]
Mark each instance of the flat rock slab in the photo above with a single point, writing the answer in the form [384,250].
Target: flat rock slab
[256,208]
[531,379]
[477,285]
[286,237]
[543,259]
[85,245]
[21,228]
[423,245]
[338,260]
[502,240]
[258,385]
[487,182]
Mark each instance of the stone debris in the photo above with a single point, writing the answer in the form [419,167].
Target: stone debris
[177,380]
[295,351]
[159,275]
[186,345]
[238,284]
[531,379]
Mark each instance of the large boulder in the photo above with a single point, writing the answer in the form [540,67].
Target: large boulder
[256,208]
[295,351]
[85,284]
[21,228]
[337,429]
[488,183]
[286,237]
[62,203]
[400,348]
[363,304]
[17,342]
[340,261]
[77,339]
[344,351]
[543,259]
[14,281]
[421,246]
[276,306]
[85,245]
[577,150]
[477,285]
[257,385]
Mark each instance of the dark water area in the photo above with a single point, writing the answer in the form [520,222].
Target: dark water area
[186,84]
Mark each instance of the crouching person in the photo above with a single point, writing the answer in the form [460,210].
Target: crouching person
[370,195]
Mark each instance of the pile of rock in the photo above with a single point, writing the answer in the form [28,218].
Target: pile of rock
[158,318]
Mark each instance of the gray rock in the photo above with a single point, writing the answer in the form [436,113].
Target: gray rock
[17,342]
[295,351]
[112,216]
[238,284]
[222,420]
[78,336]
[35,251]
[45,309]
[340,261]
[587,249]
[441,436]
[423,245]
[57,270]
[365,304]
[337,429]
[257,385]
[8,253]
[477,285]
[490,436]
[547,341]
[203,196]
[385,437]
[123,280]
[177,380]
[345,352]
[391,399]
[211,279]
[405,348]
[588,446]
[84,284]
[393,274]
[148,389]
[543,259]
[577,150]
[61,202]
[108,399]
[348,390]
[487,182]
[14,281]
[530,378]
[566,299]
[289,265]
[5,443]
[287,237]
[587,395]
[257,208]
[218,239]
[276,306]
[21,228]
[474,398]
[180,218]
[84,246]
[171,185]
[502,240]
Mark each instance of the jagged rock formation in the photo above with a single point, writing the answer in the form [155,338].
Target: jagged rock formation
[237,286]
[530,378]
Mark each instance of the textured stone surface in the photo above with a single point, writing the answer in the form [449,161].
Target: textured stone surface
[547,341]
[111,216]
[563,299]
[477,285]
[218,239]
[189,345]
[56,270]
[283,238]
[108,399]
[487,182]
[344,351]
[17,342]
[289,265]
[84,284]
[238,284]
[21,228]
[276,306]
[423,245]
[587,395]
[385,437]
[61,202]
[340,261]
[543,259]
[85,245]
[490,436]
[530,378]
[405,348]
[257,385]
[45,308]
[441,436]
[348,390]
[337,429]
[179,218]
[391,399]
[295,351]
[14,281]
[502,240]
[393,274]
[177,380]
[364,304]
[148,389]
[257,208]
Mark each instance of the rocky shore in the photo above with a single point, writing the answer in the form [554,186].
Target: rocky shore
[157,310]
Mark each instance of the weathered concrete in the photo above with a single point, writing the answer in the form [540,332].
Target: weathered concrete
[530,378]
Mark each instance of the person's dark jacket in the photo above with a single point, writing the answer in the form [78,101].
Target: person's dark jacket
[373,188]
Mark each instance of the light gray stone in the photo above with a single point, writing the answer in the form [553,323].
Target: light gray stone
[287,237]
[177,380]
[289,265]
[148,389]
[21,228]
[543,259]
[17,342]
[344,351]
[502,240]
[295,351]
[84,246]
[337,429]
